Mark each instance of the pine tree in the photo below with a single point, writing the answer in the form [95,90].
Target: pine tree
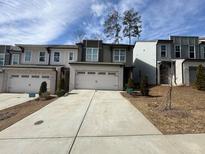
[112,26]
[200,78]
[132,24]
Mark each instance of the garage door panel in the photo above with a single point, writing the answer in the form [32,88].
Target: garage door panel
[97,80]
[27,83]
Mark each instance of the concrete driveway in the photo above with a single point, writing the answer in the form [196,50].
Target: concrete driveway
[93,122]
[9,99]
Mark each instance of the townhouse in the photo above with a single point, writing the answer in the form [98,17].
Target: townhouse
[158,58]
[90,64]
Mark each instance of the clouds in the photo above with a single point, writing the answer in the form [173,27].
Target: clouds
[51,21]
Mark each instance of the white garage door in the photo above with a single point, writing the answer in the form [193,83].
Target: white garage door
[97,80]
[27,83]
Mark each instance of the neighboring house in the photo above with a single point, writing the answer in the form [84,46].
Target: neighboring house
[156,58]
[101,66]
[30,65]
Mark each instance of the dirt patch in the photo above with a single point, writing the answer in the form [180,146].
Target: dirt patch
[187,114]
[14,114]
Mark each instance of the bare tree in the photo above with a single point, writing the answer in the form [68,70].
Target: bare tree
[79,35]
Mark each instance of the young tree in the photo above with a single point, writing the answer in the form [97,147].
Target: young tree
[200,78]
[132,24]
[112,26]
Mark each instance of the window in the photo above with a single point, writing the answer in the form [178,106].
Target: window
[56,56]
[35,76]
[80,72]
[92,54]
[71,56]
[191,52]
[25,76]
[27,57]
[177,51]
[101,73]
[14,76]
[111,73]
[163,51]
[2,58]
[119,55]
[42,57]
[15,59]
[45,77]
[91,72]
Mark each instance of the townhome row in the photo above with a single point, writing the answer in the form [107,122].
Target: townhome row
[158,58]
[90,64]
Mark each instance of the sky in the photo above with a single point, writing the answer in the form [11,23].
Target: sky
[66,21]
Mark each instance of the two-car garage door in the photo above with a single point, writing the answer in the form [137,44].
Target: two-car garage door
[27,82]
[106,80]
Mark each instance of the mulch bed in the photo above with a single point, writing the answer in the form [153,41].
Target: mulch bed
[187,115]
[16,113]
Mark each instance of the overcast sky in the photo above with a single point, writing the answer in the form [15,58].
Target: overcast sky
[59,21]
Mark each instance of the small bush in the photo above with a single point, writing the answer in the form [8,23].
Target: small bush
[144,87]
[46,96]
[200,78]
[130,83]
[60,93]
[43,88]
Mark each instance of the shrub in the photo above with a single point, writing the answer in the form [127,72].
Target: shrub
[200,78]
[144,87]
[130,83]
[43,88]
[60,93]
[45,96]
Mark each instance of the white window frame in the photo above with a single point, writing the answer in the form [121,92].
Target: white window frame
[3,54]
[177,51]
[42,56]
[72,57]
[194,52]
[165,51]
[12,61]
[92,55]
[119,60]
[25,56]
[55,56]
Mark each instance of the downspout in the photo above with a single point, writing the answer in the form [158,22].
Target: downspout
[56,79]
[49,55]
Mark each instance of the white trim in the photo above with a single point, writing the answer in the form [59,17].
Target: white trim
[4,55]
[177,51]
[194,51]
[92,60]
[120,50]
[12,59]
[25,57]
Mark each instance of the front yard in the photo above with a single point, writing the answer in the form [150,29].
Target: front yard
[14,114]
[187,114]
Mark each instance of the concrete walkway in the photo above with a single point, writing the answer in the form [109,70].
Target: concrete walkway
[10,99]
[92,122]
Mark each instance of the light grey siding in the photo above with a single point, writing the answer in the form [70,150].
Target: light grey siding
[168,51]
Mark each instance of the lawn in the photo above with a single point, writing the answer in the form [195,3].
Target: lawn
[13,114]
[187,114]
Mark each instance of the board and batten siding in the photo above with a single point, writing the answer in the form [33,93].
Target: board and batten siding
[144,60]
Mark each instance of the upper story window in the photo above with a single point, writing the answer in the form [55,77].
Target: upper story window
[2,59]
[92,54]
[56,56]
[191,52]
[42,57]
[15,59]
[177,51]
[163,51]
[27,57]
[119,55]
[71,56]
